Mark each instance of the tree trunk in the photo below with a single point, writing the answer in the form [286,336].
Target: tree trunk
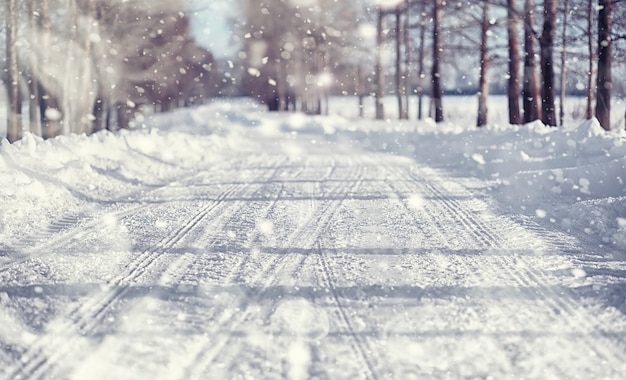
[483,91]
[530,92]
[33,87]
[361,90]
[547,63]
[399,77]
[514,80]
[14,117]
[99,112]
[562,93]
[437,90]
[87,82]
[604,80]
[592,74]
[421,74]
[123,113]
[407,57]
[51,110]
[380,80]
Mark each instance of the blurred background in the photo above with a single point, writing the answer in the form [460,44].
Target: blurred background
[80,66]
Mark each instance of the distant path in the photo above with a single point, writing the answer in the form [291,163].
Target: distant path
[332,264]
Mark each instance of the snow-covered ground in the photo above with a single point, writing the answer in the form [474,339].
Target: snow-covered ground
[225,242]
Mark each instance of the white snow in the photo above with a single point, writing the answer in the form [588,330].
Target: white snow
[224,240]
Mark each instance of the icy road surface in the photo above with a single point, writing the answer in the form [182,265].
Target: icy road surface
[307,260]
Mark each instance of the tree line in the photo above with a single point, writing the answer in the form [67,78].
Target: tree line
[415,47]
[80,66]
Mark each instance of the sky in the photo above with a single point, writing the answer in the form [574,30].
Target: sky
[210,25]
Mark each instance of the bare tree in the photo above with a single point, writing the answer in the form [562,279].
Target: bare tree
[514,63]
[32,69]
[379,72]
[483,81]
[406,35]
[591,73]
[437,90]
[563,63]
[14,117]
[547,63]
[604,80]
[420,63]
[530,91]
[50,90]
[401,42]
[84,58]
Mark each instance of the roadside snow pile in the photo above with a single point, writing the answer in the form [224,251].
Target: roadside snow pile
[574,177]
[44,181]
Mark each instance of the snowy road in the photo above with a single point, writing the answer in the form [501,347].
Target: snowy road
[305,260]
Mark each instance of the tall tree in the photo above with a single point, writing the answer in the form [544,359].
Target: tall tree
[400,77]
[547,63]
[563,63]
[379,72]
[32,69]
[437,89]
[604,80]
[50,90]
[86,86]
[514,63]
[591,73]
[408,48]
[14,117]
[530,91]
[483,81]
[421,57]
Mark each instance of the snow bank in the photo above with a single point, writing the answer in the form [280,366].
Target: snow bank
[574,177]
[44,181]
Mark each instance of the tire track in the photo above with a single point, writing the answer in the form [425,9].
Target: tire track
[64,230]
[41,355]
[209,352]
[175,276]
[360,344]
[563,302]
[306,236]
[237,274]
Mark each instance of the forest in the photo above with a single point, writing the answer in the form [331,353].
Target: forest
[80,66]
